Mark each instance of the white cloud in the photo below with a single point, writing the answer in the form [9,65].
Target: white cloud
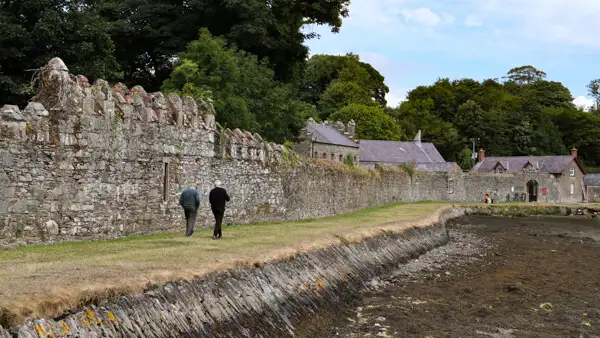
[396,96]
[582,101]
[473,21]
[421,15]
[572,22]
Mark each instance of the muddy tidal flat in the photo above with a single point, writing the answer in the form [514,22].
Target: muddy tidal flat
[497,277]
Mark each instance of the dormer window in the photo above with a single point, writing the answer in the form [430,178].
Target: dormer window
[499,168]
[572,172]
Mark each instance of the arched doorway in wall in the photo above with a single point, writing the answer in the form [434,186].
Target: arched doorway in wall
[532,190]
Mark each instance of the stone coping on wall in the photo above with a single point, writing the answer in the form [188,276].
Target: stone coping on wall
[269,299]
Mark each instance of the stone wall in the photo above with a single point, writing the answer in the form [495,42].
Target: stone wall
[593,194]
[94,161]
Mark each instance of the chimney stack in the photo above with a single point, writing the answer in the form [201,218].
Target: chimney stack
[351,129]
[339,126]
[574,152]
[481,155]
[417,138]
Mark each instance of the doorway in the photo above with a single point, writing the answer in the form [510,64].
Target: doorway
[532,190]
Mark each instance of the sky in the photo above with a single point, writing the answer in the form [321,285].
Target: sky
[415,42]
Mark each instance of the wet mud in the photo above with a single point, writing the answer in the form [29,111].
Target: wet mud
[497,277]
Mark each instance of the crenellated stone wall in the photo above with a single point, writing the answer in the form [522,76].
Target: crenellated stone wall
[93,161]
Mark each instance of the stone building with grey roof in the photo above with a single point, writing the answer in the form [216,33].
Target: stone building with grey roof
[566,170]
[333,141]
[424,155]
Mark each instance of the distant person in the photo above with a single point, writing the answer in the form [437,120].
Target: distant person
[486,198]
[218,198]
[190,201]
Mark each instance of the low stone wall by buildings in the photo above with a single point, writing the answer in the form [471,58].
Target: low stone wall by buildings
[94,161]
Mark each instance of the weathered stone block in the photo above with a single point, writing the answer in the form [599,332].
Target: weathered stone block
[11,113]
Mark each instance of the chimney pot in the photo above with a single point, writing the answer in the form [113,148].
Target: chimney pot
[574,152]
[481,155]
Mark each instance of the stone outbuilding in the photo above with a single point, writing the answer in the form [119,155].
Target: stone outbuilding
[329,140]
[566,171]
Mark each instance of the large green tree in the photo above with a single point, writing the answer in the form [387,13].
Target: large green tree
[330,82]
[149,33]
[594,91]
[245,92]
[372,123]
[34,31]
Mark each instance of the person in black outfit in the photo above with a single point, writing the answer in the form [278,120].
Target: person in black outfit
[217,198]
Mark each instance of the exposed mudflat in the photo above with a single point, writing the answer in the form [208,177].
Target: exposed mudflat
[497,277]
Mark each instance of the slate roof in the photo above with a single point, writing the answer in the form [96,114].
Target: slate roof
[591,180]
[324,133]
[546,164]
[437,166]
[394,152]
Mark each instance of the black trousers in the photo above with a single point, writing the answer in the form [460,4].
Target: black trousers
[190,220]
[218,221]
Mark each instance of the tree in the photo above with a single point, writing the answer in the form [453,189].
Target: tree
[525,75]
[244,90]
[34,31]
[340,94]
[417,115]
[372,123]
[149,33]
[594,91]
[325,76]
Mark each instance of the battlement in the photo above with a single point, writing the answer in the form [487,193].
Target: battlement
[67,105]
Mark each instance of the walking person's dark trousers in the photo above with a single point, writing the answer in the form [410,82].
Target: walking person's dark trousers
[218,220]
[190,219]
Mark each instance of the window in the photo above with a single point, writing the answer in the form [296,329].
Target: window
[341,157]
[324,155]
[572,188]
[316,154]
[166,183]
[332,157]
[572,171]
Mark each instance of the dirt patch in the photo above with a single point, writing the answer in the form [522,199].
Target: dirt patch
[498,277]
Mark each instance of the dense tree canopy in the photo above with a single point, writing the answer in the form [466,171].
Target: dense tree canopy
[524,115]
[245,92]
[136,40]
[331,82]
[34,31]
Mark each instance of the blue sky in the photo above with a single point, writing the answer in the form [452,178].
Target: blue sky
[413,42]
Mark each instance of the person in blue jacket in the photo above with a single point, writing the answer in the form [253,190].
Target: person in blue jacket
[190,201]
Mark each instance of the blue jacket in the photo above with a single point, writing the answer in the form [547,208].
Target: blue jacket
[190,199]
